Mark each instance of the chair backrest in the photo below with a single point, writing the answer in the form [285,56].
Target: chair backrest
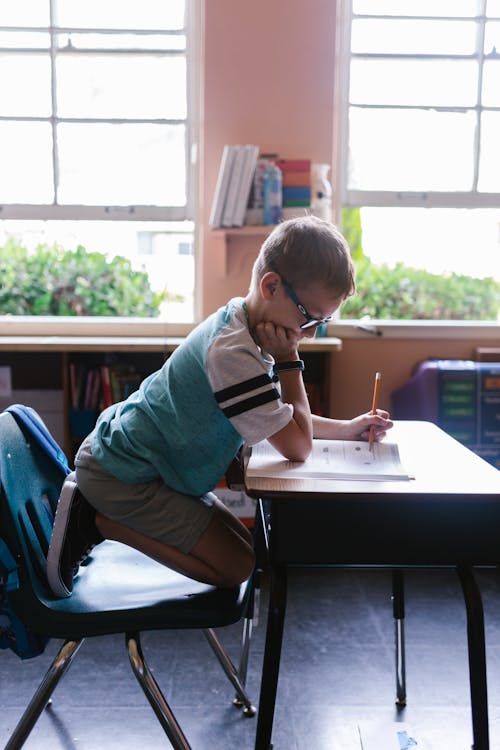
[30,484]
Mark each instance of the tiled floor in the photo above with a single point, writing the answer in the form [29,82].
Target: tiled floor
[337,674]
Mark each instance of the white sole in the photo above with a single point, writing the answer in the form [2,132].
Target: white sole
[58,538]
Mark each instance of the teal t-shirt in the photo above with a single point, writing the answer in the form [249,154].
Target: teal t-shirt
[187,420]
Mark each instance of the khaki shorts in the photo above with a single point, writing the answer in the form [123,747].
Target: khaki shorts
[151,508]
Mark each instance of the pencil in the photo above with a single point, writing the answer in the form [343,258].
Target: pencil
[376,388]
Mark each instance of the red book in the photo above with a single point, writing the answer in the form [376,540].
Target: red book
[107,396]
[293,165]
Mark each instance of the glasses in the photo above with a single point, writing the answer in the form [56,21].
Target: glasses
[311,322]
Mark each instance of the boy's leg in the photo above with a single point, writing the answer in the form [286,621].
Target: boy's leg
[222,556]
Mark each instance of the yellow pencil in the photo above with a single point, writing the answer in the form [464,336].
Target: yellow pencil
[376,388]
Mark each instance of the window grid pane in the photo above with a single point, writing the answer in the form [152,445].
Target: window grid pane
[138,73]
[414,66]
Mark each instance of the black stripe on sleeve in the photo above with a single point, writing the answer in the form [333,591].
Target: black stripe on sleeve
[244,387]
[251,403]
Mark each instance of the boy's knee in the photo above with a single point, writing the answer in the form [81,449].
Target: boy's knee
[241,570]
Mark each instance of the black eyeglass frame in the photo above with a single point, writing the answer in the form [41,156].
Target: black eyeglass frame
[311,321]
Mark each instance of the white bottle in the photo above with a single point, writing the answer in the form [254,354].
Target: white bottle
[321,205]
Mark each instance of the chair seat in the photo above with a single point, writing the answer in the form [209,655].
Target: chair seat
[121,589]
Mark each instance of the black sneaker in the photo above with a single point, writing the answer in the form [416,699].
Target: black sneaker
[73,537]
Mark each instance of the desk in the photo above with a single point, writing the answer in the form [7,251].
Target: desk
[449,515]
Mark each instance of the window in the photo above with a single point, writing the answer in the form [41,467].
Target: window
[419,116]
[97,126]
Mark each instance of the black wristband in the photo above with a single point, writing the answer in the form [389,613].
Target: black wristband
[295,364]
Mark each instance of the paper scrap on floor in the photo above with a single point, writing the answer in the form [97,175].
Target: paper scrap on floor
[384,736]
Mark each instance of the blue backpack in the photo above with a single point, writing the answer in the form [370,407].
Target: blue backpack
[13,633]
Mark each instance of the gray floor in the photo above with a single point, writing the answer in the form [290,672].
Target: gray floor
[337,677]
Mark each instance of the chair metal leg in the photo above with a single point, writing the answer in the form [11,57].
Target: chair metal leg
[231,672]
[153,693]
[41,698]
[398,611]
[249,621]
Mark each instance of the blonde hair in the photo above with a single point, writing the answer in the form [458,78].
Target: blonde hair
[308,250]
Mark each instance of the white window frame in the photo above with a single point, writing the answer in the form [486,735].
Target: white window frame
[345,197]
[132,212]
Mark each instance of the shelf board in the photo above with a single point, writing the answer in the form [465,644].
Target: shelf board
[229,235]
[245,231]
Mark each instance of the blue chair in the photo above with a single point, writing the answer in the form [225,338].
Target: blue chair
[120,590]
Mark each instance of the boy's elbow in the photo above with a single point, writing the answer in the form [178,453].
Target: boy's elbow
[299,452]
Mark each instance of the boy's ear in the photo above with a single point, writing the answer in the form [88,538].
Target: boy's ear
[269,284]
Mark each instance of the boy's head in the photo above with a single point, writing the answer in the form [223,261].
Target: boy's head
[307,251]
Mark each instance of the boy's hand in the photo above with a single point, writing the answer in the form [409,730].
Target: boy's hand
[281,343]
[359,427]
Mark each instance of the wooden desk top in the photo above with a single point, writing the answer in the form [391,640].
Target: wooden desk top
[441,466]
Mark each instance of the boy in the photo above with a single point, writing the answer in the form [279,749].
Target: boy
[147,470]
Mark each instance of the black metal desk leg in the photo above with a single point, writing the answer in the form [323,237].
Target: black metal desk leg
[398,612]
[477,657]
[272,655]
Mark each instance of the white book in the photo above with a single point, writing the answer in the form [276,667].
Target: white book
[233,187]
[331,459]
[221,188]
[248,171]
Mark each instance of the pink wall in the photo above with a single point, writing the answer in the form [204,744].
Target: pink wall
[352,368]
[267,80]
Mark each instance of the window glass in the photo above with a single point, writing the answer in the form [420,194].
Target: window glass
[489,175]
[459,8]
[492,38]
[25,85]
[124,14]
[418,162]
[416,150]
[493,8]
[26,39]
[441,240]
[428,83]
[121,87]
[24,13]
[135,164]
[491,83]
[26,162]
[391,36]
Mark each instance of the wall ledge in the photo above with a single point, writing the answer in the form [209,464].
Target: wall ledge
[53,325]
[41,325]
[485,330]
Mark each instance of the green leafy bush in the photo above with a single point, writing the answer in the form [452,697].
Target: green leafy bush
[54,281]
[403,293]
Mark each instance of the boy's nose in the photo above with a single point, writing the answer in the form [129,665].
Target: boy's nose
[310,333]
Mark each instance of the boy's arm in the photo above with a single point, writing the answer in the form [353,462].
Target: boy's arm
[352,429]
[295,440]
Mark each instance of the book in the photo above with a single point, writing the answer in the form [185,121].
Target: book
[296,179]
[296,193]
[233,186]
[221,188]
[331,459]
[107,396]
[245,186]
[293,165]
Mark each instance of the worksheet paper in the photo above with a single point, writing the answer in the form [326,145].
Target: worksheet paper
[331,459]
